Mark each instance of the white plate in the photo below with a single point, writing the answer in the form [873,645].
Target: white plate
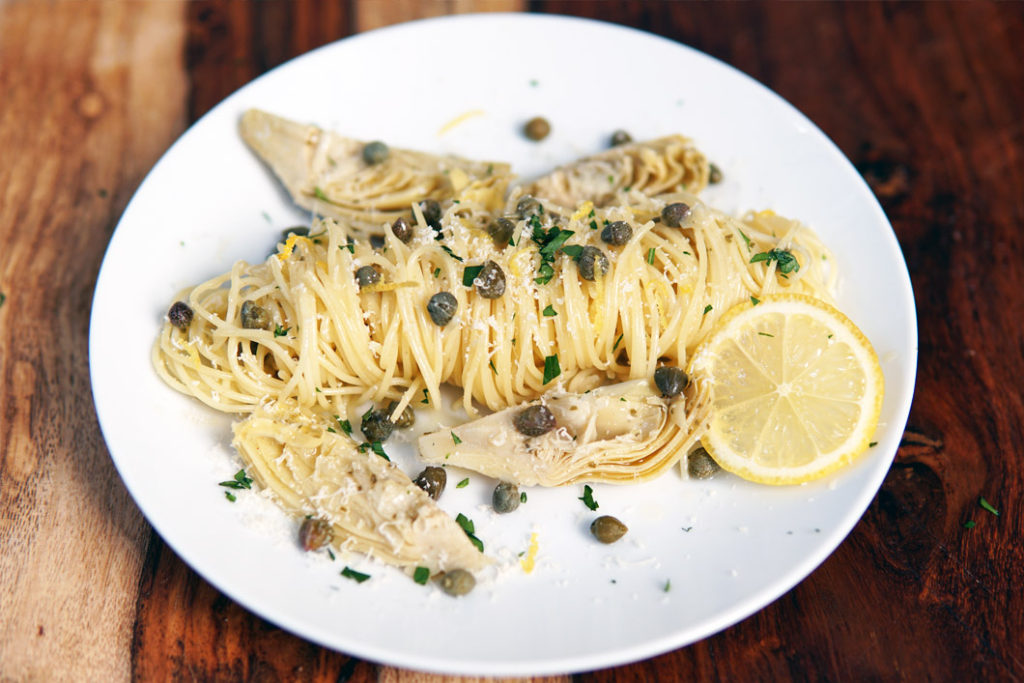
[209,202]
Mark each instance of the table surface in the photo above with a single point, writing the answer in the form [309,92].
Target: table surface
[925,99]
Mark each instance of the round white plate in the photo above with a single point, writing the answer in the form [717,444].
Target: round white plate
[699,555]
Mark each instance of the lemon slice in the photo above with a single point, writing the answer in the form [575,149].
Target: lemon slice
[795,389]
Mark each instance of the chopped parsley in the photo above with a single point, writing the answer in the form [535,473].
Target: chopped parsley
[3,298]
[421,575]
[593,225]
[549,242]
[551,368]
[350,573]
[230,496]
[351,246]
[765,334]
[746,239]
[687,529]
[345,425]
[573,251]
[650,256]
[467,525]
[491,364]
[469,274]
[668,585]
[872,444]
[522,496]
[280,331]
[787,262]
[970,524]
[330,554]
[456,439]
[437,272]
[375,446]
[451,253]
[319,194]
[988,506]
[550,311]
[754,300]
[707,309]
[588,497]
[462,484]
[426,397]
[618,341]
[240,481]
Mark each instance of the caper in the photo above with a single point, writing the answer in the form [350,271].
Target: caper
[377,426]
[621,137]
[534,420]
[375,152]
[442,307]
[537,128]
[432,480]
[300,230]
[505,497]
[592,264]
[402,230]
[700,464]
[670,380]
[431,211]
[315,533]
[490,281]
[367,275]
[527,207]
[617,233]
[180,315]
[673,215]
[608,529]
[714,174]
[405,419]
[457,582]
[501,231]
[254,316]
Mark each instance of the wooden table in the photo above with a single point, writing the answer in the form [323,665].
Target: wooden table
[926,99]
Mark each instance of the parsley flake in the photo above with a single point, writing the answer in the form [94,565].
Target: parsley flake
[491,364]
[280,331]
[754,300]
[378,448]
[988,506]
[230,496]
[872,444]
[350,573]
[746,239]
[437,272]
[240,481]
[451,253]
[618,341]
[765,334]
[456,439]
[522,496]
[469,275]
[463,484]
[551,368]
[588,497]
[787,262]
[707,309]
[550,311]
[970,524]
[467,525]
[650,256]
[319,194]
[668,585]
[421,575]
[3,298]
[345,425]
[426,397]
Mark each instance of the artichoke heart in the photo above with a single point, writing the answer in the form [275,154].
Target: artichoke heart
[666,165]
[372,506]
[326,172]
[619,433]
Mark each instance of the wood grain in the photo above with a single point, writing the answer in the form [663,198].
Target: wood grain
[81,125]
[925,99]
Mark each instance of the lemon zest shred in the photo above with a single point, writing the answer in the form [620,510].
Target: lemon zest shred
[289,246]
[584,210]
[194,355]
[530,561]
[458,120]
[387,286]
